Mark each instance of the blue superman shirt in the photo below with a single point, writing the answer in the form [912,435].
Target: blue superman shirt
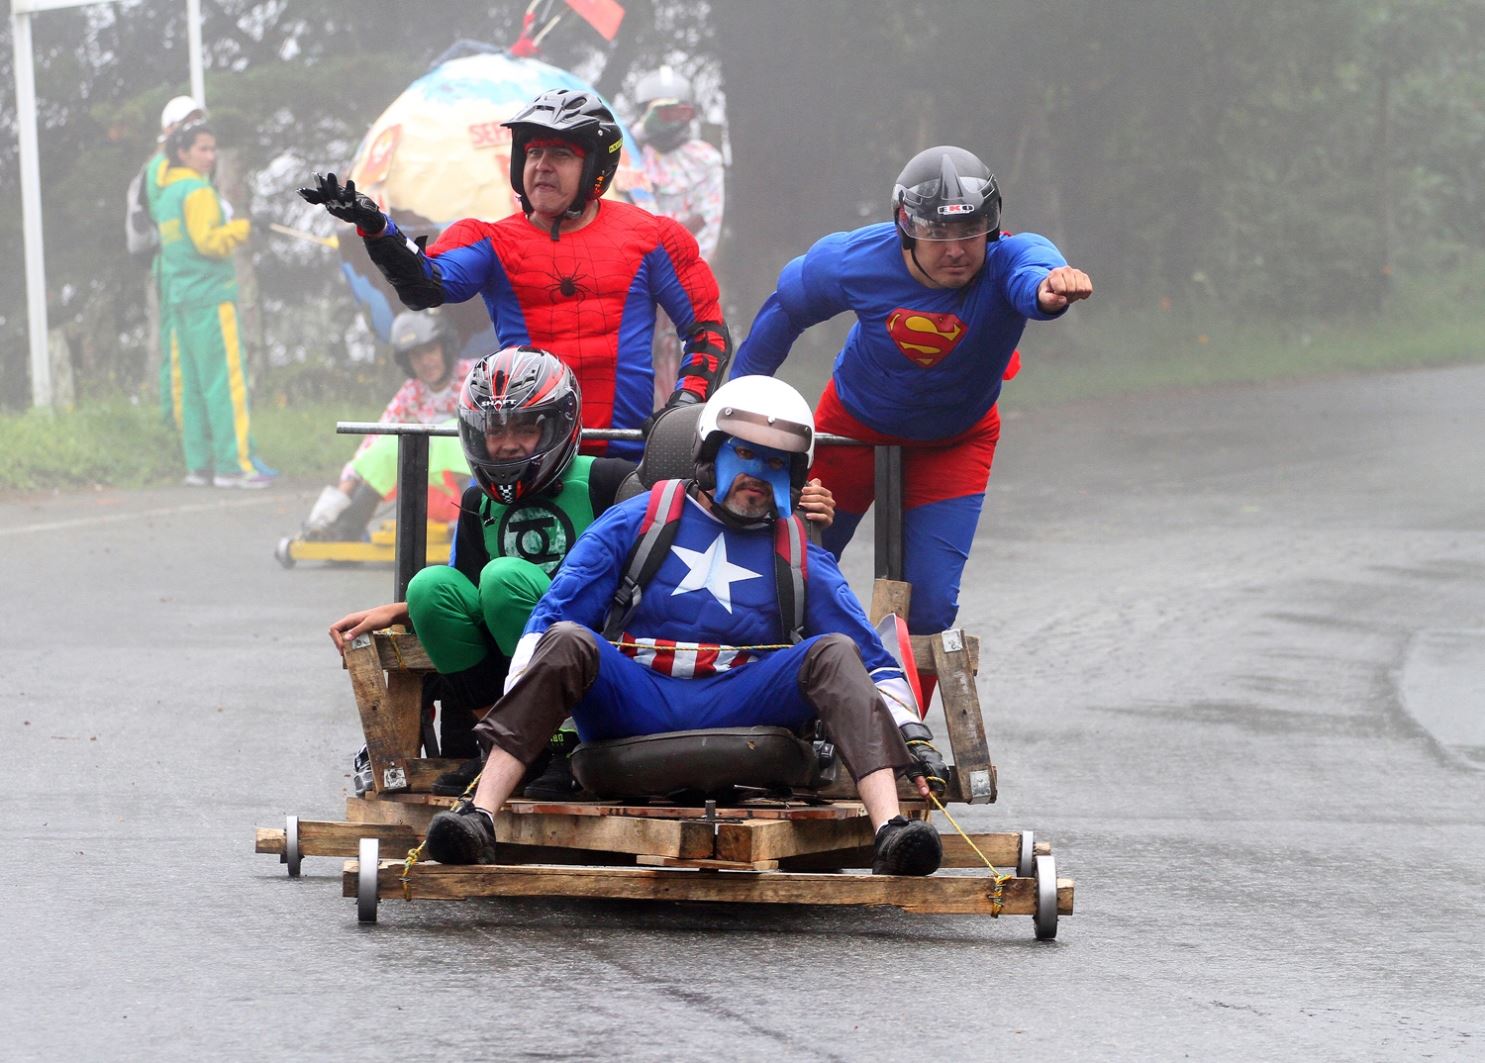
[920,363]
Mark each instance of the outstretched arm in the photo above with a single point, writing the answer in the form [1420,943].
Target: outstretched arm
[417,280]
[1061,288]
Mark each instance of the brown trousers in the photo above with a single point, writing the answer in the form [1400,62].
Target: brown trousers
[565,663]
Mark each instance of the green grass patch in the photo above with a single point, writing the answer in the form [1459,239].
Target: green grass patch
[124,445]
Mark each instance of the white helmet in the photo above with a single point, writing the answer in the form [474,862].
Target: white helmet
[178,110]
[762,410]
[664,84]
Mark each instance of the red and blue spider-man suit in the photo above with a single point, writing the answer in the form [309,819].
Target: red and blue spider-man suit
[589,298]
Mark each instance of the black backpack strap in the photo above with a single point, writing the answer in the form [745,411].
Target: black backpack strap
[656,533]
[791,570]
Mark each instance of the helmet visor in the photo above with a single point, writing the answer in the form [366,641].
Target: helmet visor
[506,443]
[927,214]
[788,436]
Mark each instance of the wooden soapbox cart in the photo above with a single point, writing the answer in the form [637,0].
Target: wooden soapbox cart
[770,848]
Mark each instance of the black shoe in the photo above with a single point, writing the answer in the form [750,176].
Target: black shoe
[555,783]
[454,783]
[907,847]
[463,836]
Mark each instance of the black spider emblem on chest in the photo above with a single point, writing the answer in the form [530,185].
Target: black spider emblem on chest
[569,285]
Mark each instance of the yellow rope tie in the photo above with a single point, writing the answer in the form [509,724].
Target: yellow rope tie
[413,855]
[622,645]
[396,651]
[997,893]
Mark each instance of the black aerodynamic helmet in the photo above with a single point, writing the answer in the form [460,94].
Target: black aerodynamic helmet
[575,115]
[520,386]
[412,329]
[945,193]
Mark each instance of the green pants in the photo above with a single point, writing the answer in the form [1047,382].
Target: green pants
[461,625]
[208,387]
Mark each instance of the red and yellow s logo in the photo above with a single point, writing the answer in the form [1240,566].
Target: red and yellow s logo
[924,337]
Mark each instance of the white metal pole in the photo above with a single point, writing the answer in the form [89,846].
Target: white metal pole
[193,40]
[25,100]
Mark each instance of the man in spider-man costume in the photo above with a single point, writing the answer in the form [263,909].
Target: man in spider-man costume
[569,274]
[940,300]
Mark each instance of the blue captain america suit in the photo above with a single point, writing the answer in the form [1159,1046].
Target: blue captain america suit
[705,645]
[922,367]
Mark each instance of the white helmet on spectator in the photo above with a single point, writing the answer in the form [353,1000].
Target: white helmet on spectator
[178,110]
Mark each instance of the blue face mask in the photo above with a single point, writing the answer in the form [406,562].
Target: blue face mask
[762,463]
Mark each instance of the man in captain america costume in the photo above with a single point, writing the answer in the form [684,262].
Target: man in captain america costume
[941,297]
[567,273]
[708,639]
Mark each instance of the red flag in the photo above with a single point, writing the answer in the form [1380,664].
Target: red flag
[603,15]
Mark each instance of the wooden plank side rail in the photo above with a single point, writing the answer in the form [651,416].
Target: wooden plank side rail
[937,894]
[390,706]
[963,718]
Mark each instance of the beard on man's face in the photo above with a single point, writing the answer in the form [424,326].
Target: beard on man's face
[749,498]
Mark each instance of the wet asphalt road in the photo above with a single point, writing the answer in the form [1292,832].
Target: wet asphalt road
[1213,623]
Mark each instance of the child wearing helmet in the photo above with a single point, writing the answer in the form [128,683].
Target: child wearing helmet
[718,635]
[424,347]
[519,424]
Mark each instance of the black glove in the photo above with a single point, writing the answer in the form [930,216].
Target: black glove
[345,203]
[677,398]
[930,762]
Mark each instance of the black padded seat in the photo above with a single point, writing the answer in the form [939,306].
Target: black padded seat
[668,451]
[708,762]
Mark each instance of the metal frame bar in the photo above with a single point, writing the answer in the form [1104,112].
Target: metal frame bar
[412,506]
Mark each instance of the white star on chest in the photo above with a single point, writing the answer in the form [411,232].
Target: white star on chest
[711,571]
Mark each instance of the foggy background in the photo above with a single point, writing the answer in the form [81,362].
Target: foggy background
[1295,163]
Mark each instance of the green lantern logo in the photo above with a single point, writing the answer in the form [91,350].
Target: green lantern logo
[537,531]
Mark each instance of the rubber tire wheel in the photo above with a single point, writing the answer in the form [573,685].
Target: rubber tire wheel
[369,857]
[1046,898]
[293,856]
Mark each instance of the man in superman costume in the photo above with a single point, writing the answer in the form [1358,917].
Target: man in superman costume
[568,273]
[941,297]
[724,632]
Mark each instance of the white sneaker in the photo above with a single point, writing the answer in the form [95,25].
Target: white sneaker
[249,481]
[197,479]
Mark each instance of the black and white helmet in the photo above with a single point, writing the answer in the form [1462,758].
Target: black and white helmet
[946,193]
[520,386]
[577,115]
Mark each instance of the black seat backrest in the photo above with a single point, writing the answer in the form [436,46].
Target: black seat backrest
[668,451]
